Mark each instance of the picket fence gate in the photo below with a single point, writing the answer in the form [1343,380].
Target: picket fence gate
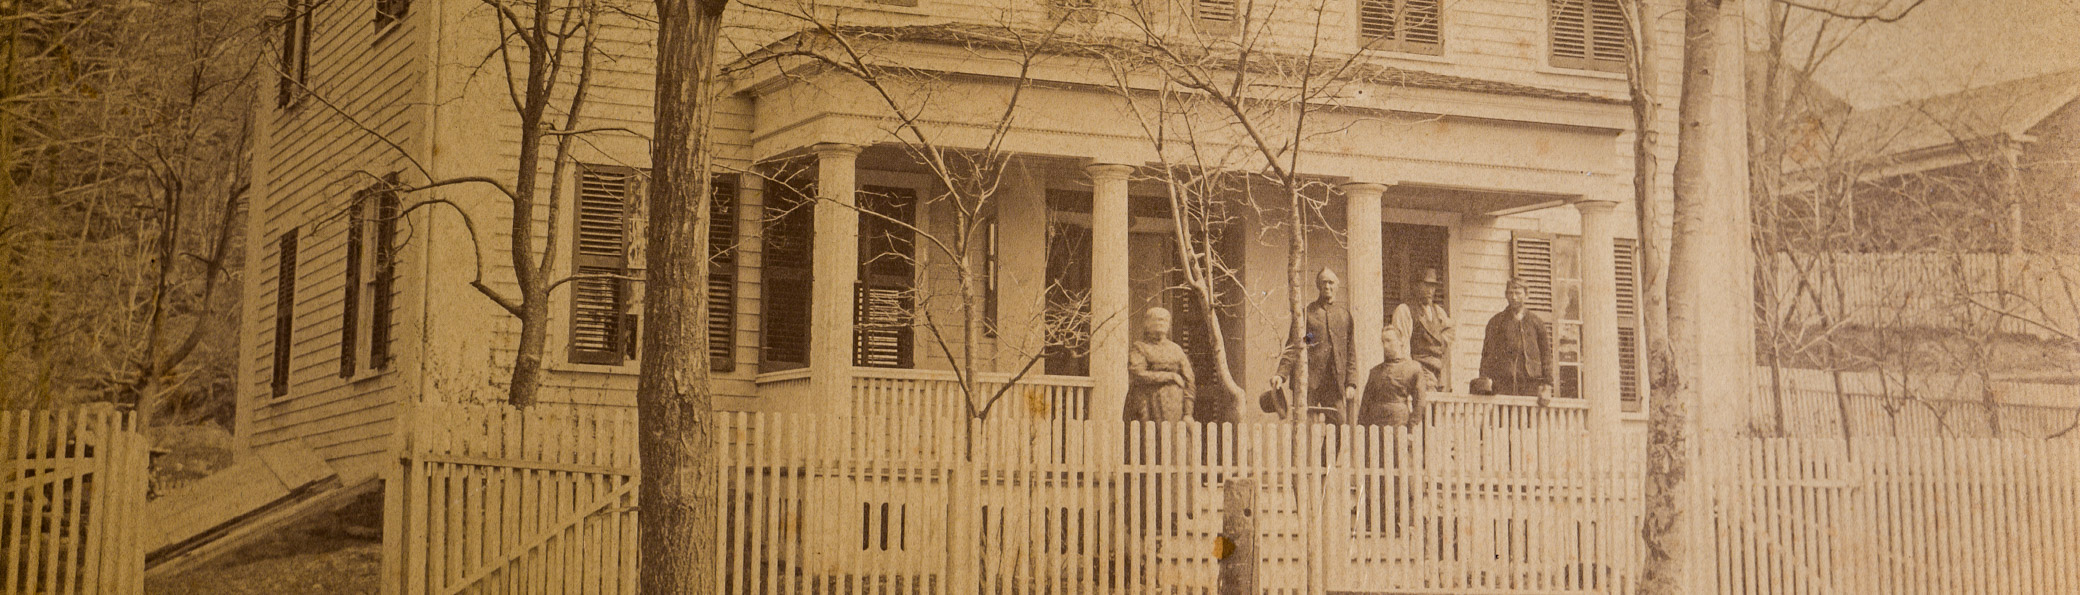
[493,500]
[72,502]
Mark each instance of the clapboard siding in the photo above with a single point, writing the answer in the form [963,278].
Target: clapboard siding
[317,154]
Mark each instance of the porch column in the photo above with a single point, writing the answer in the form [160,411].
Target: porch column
[836,272]
[1600,374]
[1109,313]
[1368,310]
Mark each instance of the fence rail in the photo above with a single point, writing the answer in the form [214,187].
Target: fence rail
[1506,500]
[72,502]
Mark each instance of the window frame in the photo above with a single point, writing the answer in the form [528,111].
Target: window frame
[294,66]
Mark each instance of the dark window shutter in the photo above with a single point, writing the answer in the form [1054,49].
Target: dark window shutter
[887,277]
[1401,25]
[387,212]
[350,302]
[1589,34]
[1626,255]
[599,256]
[788,249]
[722,273]
[284,310]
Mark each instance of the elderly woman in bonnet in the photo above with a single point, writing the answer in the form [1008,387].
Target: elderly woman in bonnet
[1393,394]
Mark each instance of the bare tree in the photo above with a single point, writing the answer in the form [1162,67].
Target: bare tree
[123,127]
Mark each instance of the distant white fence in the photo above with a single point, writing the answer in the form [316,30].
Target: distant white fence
[1932,290]
[72,489]
[495,500]
[1925,405]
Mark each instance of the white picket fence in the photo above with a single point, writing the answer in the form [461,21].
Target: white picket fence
[1509,501]
[1931,290]
[72,490]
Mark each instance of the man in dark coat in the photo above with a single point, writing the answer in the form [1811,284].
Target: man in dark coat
[1516,355]
[1431,337]
[1332,368]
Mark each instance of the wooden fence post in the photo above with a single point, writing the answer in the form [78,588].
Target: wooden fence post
[1239,532]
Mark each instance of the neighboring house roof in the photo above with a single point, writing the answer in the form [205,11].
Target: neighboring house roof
[1018,39]
[2008,109]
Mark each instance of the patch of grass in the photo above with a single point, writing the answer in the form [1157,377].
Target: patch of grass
[2007,356]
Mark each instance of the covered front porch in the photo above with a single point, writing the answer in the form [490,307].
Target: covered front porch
[1094,243]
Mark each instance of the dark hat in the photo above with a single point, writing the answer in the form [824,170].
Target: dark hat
[1273,401]
[1429,275]
[1481,386]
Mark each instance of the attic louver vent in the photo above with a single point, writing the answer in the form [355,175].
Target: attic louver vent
[1401,25]
[1589,34]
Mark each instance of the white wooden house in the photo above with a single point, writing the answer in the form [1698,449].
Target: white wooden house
[1500,146]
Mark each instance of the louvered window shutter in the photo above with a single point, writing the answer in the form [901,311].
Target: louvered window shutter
[284,310]
[1217,15]
[1401,25]
[1531,261]
[722,273]
[350,301]
[599,254]
[387,212]
[1626,255]
[1589,34]
[887,276]
[788,245]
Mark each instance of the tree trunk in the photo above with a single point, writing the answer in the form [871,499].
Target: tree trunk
[527,361]
[673,399]
[1664,530]
[1296,303]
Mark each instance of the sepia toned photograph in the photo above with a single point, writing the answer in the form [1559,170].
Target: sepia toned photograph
[1040,297]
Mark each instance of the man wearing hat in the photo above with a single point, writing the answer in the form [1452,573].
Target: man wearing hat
[1431,338]
[1332,369]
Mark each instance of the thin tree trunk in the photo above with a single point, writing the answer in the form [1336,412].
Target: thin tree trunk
[673,398]
[1664,528]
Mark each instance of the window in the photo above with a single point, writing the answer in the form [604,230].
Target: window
[788,247]
[370,276]
[602,331]
[989,278]
[1068,313]
[295,64]
[887,278]
[1589,34]
[390,12]
[1413,26]
[284,310]
[609,251]
[1550,267]
[1407,249]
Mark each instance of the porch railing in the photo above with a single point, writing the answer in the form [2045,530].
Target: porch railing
[933,394]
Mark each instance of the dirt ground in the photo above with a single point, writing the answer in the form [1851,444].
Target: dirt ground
[317,556]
